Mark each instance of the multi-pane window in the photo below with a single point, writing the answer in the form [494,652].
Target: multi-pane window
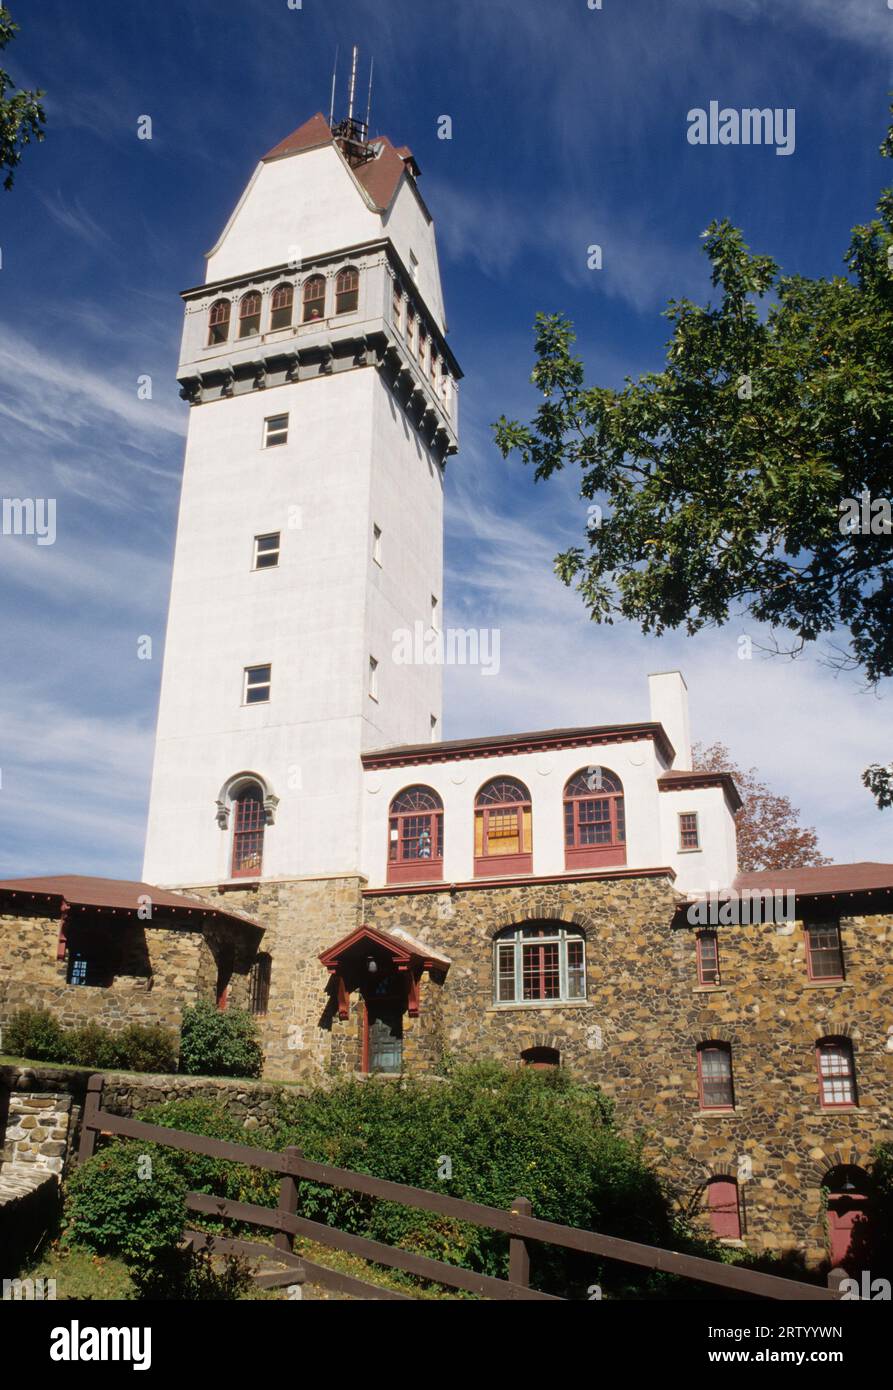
[248,832]
[502,818]
[837,1072]
[275,430]
[373,678]
[281,306]
[689,837]
[266,551]
[415,826]
[259,983]
[824,956]
[539,963]
[249,314]
[314,299]
[218,322]
[256,686]
[707,947]
[594,818]
[347,290]
[715,1076]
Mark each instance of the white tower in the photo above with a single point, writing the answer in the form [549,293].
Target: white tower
[322,408]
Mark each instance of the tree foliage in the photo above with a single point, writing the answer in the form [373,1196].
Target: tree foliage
[768,827]
[22,116]
[729,480]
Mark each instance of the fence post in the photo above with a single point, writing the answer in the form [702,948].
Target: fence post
[89,1126]
[519,1253]
[288,1199]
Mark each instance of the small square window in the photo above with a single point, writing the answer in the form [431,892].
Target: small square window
[275,430]
[266,551]
[689,835]
[256,688]
[376,543]
[373,678]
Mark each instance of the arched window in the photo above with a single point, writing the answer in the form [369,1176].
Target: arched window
[594,820]
[503,828]
[347,290]
[259,983]
[218,322]
[249,314]
[314,299]
[415,828]
[837,1073]
[248,831]
[715,1086]
[540,962]
[281,305]
[724,1208]
[541,1057]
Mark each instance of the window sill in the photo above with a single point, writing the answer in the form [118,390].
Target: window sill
[540,1004]
[710,989]
[718,1114]
[828,984]
[696,850]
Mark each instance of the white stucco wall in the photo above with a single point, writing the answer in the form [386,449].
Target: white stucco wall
[651,833]
[313,618]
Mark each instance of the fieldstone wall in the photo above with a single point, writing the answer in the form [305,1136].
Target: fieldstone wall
[36,1131]
[303,1038]
[157,972]
[637,1034]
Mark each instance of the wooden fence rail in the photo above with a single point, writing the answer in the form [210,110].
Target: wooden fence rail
[517,1223]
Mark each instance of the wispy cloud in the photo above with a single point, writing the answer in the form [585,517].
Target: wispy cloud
[74,218]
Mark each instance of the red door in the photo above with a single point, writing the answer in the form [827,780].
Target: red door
[846,1212]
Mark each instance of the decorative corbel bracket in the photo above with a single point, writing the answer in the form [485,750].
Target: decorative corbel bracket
[270,804]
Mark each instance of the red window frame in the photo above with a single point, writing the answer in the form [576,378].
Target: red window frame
[415,813]
[710,1080]
[347,290]
[218,322]
[593,802]
[249,314]
[282,302]
[831,1077]
[313,299]
[821,949]
[708,960]
[249,821]
[507,799]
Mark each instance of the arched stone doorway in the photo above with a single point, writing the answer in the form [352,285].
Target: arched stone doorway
[847,1188]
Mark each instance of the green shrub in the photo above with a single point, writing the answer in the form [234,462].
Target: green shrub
[219,1043]
[128,1200]
[146,1047]
[506,1132]
[215,1176]
[91,1045]
[36,1034]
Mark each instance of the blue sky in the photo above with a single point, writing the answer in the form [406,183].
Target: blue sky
[569,128]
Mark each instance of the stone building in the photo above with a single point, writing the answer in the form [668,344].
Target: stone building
[389,902]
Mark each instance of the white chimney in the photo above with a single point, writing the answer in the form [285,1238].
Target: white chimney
[669,706]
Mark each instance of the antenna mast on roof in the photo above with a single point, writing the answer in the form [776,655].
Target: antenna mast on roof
[369,102]
[352,136]
[332,102]
[353,83]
